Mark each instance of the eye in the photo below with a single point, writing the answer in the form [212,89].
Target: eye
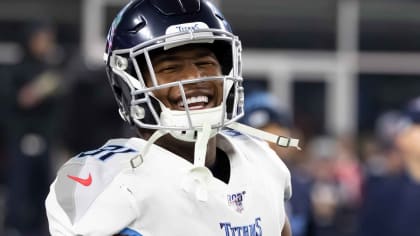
[167,68]
[206,63]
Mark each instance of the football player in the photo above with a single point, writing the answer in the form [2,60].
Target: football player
[175,71]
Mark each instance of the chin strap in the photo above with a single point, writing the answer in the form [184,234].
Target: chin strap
[138,160]
[198,177]
[279,140]
[200,149]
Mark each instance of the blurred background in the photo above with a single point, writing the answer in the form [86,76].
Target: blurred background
[340,73]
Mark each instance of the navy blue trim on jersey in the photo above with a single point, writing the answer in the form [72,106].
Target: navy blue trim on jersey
[105,152]
[231,132]
[129,232]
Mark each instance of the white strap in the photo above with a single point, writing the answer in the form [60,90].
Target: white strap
[198,177]
[279,140]
[138,160]
[200,149]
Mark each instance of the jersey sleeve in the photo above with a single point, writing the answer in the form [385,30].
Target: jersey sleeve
[111,212]
[89,197]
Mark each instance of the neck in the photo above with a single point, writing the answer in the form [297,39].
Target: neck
[186,149]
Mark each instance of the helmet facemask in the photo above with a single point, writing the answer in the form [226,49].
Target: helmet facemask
[146,111]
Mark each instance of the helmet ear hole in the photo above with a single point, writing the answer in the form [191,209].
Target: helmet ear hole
[123,115]
[118,94]
[148,116]
[122,110]
[231,110]
[230,103]
[117,91]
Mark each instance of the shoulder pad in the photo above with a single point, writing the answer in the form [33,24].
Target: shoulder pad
[85,176]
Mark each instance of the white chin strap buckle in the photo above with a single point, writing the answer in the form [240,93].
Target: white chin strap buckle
[288,142]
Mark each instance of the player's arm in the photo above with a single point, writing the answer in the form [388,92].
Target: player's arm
[110,212]
[90,199]
[287,231]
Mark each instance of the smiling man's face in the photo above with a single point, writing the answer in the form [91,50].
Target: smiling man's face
[185,63]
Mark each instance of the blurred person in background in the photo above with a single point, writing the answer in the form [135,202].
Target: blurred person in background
[336,190]
[391,202]
[34,88]
[264,111]
[380,152]
[324,193]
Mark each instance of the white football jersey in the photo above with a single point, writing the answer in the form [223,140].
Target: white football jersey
[98,193]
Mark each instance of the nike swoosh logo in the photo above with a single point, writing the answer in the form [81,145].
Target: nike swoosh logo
[85,182]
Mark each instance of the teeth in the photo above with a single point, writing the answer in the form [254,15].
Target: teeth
[191,100]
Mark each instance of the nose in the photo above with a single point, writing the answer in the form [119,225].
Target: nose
[191,71]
